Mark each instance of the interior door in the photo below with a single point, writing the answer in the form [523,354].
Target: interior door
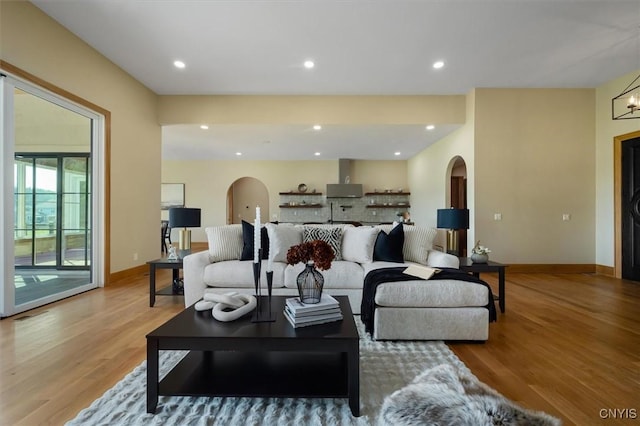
[631,209]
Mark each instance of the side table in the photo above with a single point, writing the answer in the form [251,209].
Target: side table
[467,265]
[164,263]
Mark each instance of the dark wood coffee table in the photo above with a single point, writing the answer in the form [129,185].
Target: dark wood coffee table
[268,359]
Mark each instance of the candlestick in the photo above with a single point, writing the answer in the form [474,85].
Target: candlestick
[256,241]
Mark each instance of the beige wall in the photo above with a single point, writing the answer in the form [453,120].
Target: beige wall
[534,162]
[37,44]
[311,109]
[42,126]
[207,182]
[428,172]
[606,130]
[531,155]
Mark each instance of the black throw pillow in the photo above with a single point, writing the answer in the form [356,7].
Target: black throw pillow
[388,247]
[247,241]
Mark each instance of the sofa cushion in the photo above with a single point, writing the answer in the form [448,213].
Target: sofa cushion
[281,238]
[358,243]
[332,236]
[248,239]
[388,247]
[342,274]
[237,273]
[432,293]
[225,242]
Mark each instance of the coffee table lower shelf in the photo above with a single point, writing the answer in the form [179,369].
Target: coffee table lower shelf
[258,374]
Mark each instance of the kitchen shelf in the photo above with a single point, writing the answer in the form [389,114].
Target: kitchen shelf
[301,193]
[388,206]
[369,194]
[301,206]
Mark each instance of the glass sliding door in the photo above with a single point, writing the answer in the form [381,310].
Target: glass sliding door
[52,142]
[75,213]
[52,198]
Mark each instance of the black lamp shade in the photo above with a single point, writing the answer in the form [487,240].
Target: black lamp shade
[182,217]
[453,218]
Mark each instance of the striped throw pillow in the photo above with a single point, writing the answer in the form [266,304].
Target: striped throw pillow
[225,242]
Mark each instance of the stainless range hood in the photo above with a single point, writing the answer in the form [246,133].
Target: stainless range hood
[344,189]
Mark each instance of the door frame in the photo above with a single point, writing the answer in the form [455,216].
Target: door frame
[617,197]
[101,153]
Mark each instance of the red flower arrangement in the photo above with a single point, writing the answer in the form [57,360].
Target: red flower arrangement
[318,251]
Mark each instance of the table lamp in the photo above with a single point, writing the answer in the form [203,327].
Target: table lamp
[183,217]
[452,220]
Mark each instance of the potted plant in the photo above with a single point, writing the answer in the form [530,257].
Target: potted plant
[480,254]
[316,254]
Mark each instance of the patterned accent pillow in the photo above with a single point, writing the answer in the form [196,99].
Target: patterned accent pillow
[225,242]
[332,236]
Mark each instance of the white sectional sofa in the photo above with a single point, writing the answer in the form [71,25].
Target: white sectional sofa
[450,309]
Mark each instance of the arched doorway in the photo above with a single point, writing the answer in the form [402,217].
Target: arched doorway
[457,194]
[243,196]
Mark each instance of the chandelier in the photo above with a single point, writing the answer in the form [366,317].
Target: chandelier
[626,104]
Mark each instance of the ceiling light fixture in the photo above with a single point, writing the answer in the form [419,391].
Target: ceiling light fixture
[179,64]
[624,106]
[430,127]
[309,64]
[317,127]
[204,127]
[397,153]
[438,64]
[316,154]
[238,154]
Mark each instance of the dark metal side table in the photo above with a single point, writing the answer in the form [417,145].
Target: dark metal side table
[467,265]
[164,263]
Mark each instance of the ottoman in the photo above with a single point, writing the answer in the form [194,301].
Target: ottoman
[440,310]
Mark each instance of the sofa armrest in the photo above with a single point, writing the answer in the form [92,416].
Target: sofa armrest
[193,270]
[438,259]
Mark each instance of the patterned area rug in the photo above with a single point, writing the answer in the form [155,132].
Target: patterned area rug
[384,368]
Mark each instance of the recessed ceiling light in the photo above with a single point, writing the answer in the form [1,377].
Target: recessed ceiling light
[317,127]
[179,64]
[430,127]
[204,127]
[309,64]
[316,153]
[238,154]
[397,153]
[438,64]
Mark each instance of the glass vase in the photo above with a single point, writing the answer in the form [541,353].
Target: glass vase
[310,283]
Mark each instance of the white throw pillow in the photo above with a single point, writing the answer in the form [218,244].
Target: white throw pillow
[358,243]
[225,242]
[281,238]
[418,241]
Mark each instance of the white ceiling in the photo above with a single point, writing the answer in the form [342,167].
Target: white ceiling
[380,47]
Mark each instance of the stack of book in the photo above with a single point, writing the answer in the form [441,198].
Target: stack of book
[301,315]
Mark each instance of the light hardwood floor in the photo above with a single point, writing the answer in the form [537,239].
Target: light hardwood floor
[568,345]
